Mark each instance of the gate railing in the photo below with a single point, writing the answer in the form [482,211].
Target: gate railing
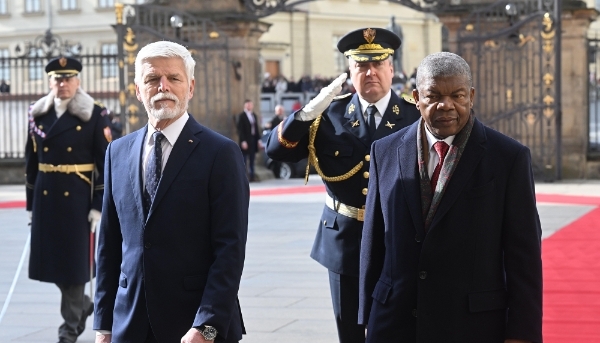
[593,146]
[28,82]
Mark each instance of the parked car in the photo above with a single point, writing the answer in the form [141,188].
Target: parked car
[288,170]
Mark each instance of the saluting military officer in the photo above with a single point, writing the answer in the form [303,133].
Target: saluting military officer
[68,136]
[335,133]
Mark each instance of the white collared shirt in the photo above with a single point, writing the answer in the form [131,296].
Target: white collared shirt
[60,106]
[433,155]
[251,119]
[381,105]
[171,134]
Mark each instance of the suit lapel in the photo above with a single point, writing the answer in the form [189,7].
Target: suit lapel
[472,155]
[390,118]
[183,147]
[355,122]
[136,146]
[409,176]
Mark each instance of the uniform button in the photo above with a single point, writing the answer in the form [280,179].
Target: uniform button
[45,149]
[414,313]
[364,191]
[336,153]
[367,158]
[66,194]
[148,245]
[366,175]
[69,149]
[45,192]
[422,275]
[41,127]
[324,222]
[78,128]
[417,239]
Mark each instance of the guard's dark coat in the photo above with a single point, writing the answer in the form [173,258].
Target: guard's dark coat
[341,143]
[60,202]
[476,275]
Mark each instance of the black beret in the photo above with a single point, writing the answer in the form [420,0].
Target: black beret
[369,44]
[63,67]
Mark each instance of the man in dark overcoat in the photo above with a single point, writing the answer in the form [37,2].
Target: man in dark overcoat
[249,134]
[68,136]
[336,133]
[451,248]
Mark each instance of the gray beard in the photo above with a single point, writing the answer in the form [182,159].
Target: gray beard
[166,112]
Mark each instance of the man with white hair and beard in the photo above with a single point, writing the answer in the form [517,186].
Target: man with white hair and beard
[173,232]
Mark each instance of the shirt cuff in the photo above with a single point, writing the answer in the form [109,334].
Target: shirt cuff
[103,332]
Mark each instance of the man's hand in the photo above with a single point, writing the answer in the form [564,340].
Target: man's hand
[103,338]
[30,216]
[317,105]
[94,218]
[516,341]
[244,145]
[193,336]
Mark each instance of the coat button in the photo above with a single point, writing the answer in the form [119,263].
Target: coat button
[66,194]
[324,222]
[417,239]
[69,149]
[366,175]
[45,192]
[364,191]
[367,158]
[41,127]
[78,128]
[147,245]
[336,153]
[422,275]
[414,312]
[45,149]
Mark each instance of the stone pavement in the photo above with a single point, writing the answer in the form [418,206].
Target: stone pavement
[284,294]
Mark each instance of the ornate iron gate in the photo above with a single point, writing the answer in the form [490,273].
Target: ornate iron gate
[138,25]
[514,51]
[593,150]
[26,82]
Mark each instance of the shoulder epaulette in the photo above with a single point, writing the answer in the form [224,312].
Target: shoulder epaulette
[342,96]
[408,98]
[98,103]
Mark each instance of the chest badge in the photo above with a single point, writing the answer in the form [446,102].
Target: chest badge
[351,108]
[355,124]
[396,109]
[390,125]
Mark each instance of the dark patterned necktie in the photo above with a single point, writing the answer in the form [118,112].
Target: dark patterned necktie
[441,148]
[154,168]
[371,110]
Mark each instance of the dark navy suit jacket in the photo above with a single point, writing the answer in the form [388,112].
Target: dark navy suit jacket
[476,275]
[180,267]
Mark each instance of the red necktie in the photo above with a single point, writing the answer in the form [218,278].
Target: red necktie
[441,148]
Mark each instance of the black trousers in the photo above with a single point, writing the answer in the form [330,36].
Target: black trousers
[344,295]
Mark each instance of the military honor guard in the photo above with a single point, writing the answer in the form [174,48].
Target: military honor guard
[68,136]
[335,133]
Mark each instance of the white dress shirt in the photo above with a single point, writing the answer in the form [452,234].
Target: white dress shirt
[381,105]
[433,155]
[60,106]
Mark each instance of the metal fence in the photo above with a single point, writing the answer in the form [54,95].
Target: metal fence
[26,82]
[594,94]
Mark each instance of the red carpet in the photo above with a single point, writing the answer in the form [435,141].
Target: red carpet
[571,262]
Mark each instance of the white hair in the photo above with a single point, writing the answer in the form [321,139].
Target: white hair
[164,49]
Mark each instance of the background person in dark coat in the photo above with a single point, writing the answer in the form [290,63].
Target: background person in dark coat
[457,260]
[169,264]
[68,135]
[249,137]
[339,133]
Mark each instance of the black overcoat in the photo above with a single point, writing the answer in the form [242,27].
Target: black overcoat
[61,202]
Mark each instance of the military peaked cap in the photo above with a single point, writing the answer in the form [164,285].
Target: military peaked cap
[63,67]
[369,44]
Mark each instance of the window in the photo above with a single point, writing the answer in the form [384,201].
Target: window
[4,64]
[33,6]
[341,63]
[3,7]
[109,60]
[106,3]
[68,5]
[141,1]
[36,65]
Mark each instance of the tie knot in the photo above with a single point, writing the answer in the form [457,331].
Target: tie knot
[158,137]
[371,110]
[441,148]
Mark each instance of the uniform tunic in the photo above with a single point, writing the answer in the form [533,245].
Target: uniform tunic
[342,143]
[60,202]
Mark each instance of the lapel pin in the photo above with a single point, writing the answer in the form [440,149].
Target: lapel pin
[190,141]
[390,125]
[355,124]
[396,109]
[351,108]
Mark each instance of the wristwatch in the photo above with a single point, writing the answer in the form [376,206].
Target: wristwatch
[208,332]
